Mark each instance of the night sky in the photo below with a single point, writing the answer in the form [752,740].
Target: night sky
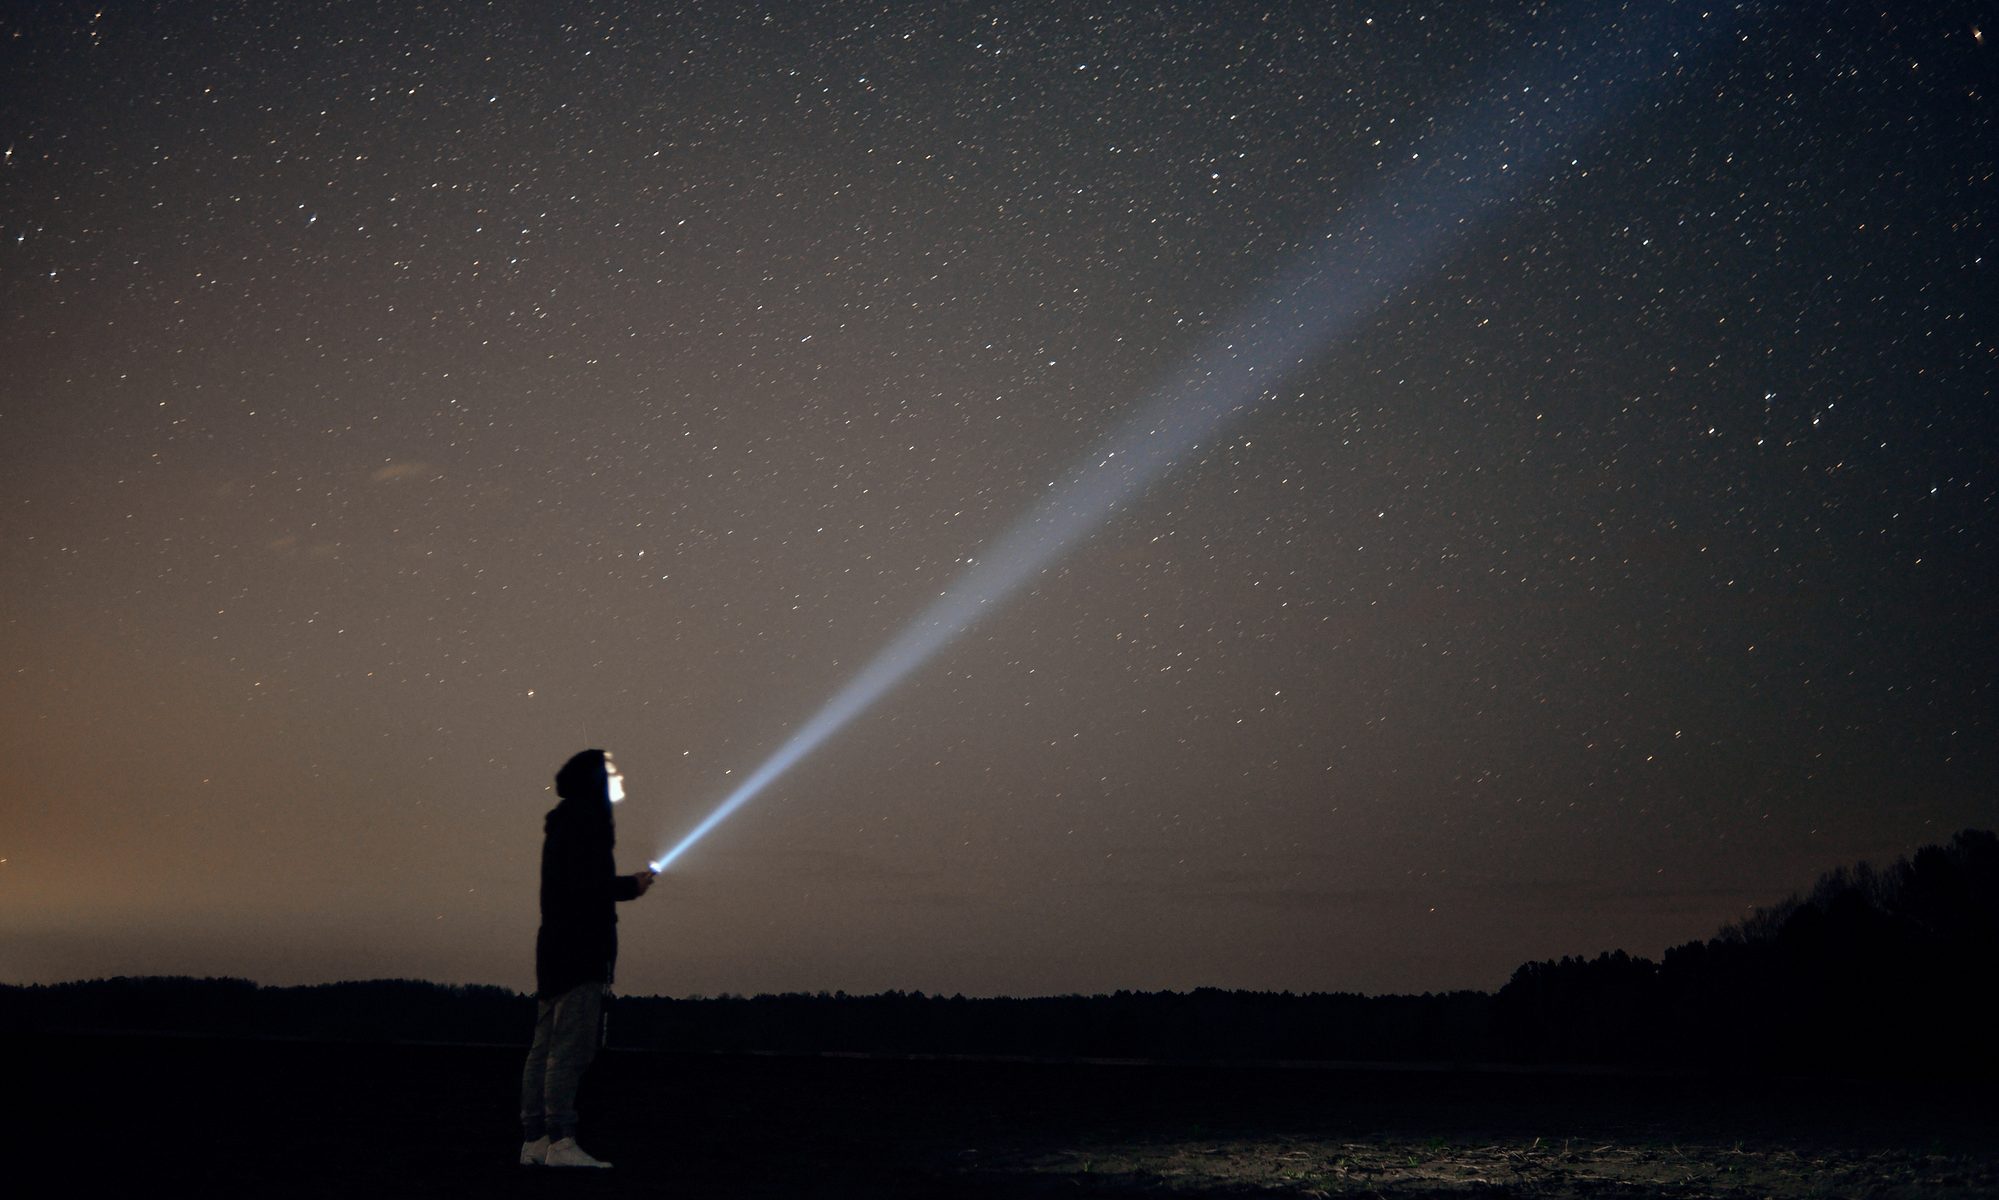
[396,399]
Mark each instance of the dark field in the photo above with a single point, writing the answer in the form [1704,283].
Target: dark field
[142,1115]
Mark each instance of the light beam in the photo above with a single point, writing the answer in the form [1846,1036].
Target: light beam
[1447,184]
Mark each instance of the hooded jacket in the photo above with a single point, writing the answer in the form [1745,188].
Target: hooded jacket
[580,885]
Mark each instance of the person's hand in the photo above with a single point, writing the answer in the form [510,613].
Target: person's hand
[645,879]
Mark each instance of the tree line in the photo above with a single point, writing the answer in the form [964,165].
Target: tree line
[1891,970]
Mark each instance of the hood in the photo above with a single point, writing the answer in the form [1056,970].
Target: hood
[580,783]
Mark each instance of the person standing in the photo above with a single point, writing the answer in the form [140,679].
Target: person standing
[574,953]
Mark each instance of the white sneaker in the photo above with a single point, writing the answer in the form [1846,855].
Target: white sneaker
[566,1153]
[535,1153]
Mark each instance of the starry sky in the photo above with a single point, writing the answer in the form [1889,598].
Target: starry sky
[399,398]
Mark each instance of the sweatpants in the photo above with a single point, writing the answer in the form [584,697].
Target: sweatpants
[567,1029]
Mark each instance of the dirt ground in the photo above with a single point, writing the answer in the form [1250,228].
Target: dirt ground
[110,1115]
[1440,1167]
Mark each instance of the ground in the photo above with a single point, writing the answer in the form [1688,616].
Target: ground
[108,1115]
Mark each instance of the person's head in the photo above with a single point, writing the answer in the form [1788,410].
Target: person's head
[590,775]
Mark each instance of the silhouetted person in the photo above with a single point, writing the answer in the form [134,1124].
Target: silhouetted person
[574,952]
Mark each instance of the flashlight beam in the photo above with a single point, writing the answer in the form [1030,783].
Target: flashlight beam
[1506,142]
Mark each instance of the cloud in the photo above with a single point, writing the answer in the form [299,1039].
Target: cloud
[291,546]
[399,470]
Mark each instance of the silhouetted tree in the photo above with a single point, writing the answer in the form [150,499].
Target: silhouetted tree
[1876,971]
[1889,970]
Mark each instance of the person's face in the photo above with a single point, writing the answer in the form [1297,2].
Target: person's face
[614,781]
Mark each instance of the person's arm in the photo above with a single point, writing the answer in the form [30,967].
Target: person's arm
[631,887]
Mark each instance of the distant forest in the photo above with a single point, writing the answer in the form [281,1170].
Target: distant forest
[1873,971]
